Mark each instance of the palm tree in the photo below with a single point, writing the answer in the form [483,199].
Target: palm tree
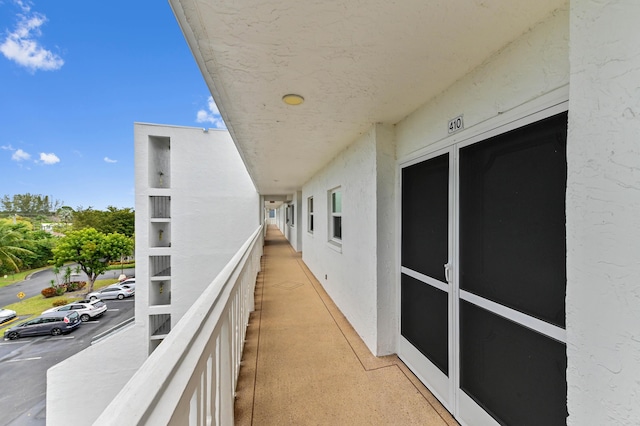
[11,241]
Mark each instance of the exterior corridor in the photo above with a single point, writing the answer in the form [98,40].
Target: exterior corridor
[304,364]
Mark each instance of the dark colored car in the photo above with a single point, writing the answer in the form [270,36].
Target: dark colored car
[53,323]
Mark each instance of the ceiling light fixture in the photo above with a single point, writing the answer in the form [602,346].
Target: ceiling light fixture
[292,99]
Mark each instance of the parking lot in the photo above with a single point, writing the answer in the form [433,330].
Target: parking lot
[24,363]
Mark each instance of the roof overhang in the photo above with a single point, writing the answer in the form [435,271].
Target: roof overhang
[355,64]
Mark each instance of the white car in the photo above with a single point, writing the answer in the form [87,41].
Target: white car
[6,315]
[128,283]
[86,310]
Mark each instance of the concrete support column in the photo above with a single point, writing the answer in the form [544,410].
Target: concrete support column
[603,214]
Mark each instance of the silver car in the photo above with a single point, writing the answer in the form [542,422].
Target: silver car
[6,315]
[111,292]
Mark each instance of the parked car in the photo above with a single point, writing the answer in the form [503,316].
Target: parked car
[128,283]
[54,323]
[111,292]
[87,310]
[6,315]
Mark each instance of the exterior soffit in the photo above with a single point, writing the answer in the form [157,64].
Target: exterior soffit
[355,64]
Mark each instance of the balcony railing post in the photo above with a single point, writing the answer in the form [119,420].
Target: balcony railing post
[227,388]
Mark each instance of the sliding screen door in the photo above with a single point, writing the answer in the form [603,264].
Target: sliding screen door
[512,273]
[425,252]
[483,278]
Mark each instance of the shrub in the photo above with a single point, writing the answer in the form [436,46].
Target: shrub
[76,285]
[49,291]
[60,302]
[61,289]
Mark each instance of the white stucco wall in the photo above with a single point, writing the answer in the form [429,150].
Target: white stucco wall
[107,366]
[603,214]
[280,219]
[533,65]
[214,209]
[298,220]
[387,247]
[293,229]
[348,273]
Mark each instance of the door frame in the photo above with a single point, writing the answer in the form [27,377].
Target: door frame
[462,407]
[440,384]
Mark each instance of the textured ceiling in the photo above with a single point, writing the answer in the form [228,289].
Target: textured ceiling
[355,62]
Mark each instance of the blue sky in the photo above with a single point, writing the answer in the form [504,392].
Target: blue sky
[74,77]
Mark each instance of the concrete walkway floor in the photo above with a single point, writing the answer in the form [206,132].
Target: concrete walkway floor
[303,364]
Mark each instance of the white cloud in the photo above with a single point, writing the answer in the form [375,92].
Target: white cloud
[25,6]
[212,116]
[20,155]
[22,47]
[109,160]
[7,148]
[49,158]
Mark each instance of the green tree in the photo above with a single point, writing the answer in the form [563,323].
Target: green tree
[92,250]
[12,243]
[37,243]
[112,220]
[40,243]
[29,204]
[65,214]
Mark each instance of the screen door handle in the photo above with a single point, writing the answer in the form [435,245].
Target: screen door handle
[447,272]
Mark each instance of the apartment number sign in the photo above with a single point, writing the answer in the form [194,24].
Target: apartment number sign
[456,124]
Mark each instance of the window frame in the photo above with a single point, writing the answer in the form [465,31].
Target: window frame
[310,215]
[332,215]
[290,214]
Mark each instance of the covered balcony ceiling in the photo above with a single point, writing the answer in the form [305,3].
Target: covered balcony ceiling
[354,62]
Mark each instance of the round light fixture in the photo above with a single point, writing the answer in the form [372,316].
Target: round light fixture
[292,99]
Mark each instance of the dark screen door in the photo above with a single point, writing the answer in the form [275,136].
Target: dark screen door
[425,251]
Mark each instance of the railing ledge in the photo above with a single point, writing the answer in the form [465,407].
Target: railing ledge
[157,391]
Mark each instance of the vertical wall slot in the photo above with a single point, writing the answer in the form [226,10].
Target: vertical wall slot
[159,162]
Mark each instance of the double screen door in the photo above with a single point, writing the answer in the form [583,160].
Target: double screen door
[483,276]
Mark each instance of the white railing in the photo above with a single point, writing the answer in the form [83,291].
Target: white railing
[190,378]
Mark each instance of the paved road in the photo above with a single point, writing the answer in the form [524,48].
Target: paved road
[24,363]
[33,285]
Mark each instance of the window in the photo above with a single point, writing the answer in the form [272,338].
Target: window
[335,215]
[310,214]
[290,214]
